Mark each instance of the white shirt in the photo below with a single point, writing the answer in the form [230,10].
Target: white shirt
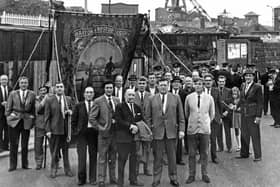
[88,104]
[152,91]
[131,109]
[107,98]
[4,89]
[62,104]
[22,94]
[165,101]
[248,86]
[207,91]
[119,92]
[140,94]
[175,92]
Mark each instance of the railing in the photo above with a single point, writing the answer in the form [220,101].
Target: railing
[24,20]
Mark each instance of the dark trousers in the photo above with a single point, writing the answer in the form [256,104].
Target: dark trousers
[87,139]
[124,150]
[179,151]
[275,108]
[219,134]
[39,146]
[200,142]
[4,136]
[107,154]
[227,126]
[159,147]
[58,142]
[14,134]
[265,99]
[215,127]
[250,130]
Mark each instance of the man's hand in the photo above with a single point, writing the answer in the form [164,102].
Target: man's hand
[257,120]
[4,103]
[68,112]
[49,134]
[225,113]
[113,121]
[68,139]
[181,134]
[133,129]
[102,128]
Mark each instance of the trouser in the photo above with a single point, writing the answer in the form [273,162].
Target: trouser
[250,130]
[14,134]
[124,150]
[266,99]
[39,146]
[227,126]
[58,142]
[219,135]
[87,140]
[200,142]
[107,154]
[213,139]
[158,149]
[143,150]
[4,135]
[179,151]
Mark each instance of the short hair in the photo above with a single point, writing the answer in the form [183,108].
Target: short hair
[118,75]
[44,86]
[142,78]
[151,74]
[108,82]
[4,75]
[221,77]
[22,78]
[88,88]
[162,79]
[59,82]
[198,79]
[208,75]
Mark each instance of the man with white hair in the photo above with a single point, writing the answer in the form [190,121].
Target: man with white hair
[4,93]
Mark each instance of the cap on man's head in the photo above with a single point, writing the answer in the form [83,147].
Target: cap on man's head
[248,71]
[272,71]
[132,78]
[251,65]
[224,65]
[176,65]
[157,68]
[205,65]
[142,78]
[176,79]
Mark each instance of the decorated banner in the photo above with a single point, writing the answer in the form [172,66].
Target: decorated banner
[93,48]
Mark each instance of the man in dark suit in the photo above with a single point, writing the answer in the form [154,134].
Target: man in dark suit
[274,96]
[225,94]
[57,109]
[86,137]
[152,84]
[216,123]
[4,94]
[119,89]
[20,114]
[225,72]
[177,90]
[165,116]
[264,80]
[102,118]
[127,114]
[142,99]
[251,100]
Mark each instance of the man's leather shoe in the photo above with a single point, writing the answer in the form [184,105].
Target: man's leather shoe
[190,180]
[69,174]
[241,157]
[52,175]
[148,173]
[101,184]
[93,183]
[113,181]
[181,163]
[80,183]
[25,167]
[38,167]
[155,184]
[257,159]
[215,161]
[174,183]
[205,178]
[136,183]
[11,169]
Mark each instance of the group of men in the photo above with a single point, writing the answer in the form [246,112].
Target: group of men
[155,116]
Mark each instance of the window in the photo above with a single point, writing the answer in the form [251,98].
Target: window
[237,50]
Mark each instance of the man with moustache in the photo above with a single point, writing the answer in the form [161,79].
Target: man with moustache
[86,138]
[20,114]
[57,109]
[165,117]
[127,115]
[102,119]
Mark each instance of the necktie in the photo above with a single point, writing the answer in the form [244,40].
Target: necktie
[162,101]
[110,103]
[142,98]
[132,109]
[89,106]
[117,92]
[198,101]
[23,97]
[61,106]
[221,91]
[6,93]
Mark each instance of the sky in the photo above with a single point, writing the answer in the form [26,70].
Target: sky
[236,8]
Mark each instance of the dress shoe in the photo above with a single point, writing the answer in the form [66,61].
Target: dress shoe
[53,175]
[190,180]
[114,181]
[101,184]
[156,184]
[93,183]
[148,173]
[136,183]
[257,159]
[241,157]
[277,126]
[205,178]
[38,167]
[69,174]
[229,151]
[25,167]
[81,183]
[174,183]
[215,161]
[11,169]
[181,163]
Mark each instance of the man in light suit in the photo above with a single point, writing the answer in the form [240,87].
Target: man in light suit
[20,114]
[119,89]
[4,94]
[101,118]
[165,116]
[57,109]
[142,99]
[86,136]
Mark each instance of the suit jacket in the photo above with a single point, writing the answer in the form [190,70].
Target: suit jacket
[218,106]
[145,103]
[55,123]
[124,118]
[101,114]
[252,101]
[165,123]
[148,89]
[226,95]
[23,111]
[80,119]
[2,108]
[123,92]
[40,110]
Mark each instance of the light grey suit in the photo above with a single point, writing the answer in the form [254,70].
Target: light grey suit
[165,131]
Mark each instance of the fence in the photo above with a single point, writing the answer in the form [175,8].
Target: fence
[24,20]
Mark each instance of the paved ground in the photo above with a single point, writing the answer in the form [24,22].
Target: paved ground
[228,173]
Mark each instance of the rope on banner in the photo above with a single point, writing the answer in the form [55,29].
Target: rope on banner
[29,58]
